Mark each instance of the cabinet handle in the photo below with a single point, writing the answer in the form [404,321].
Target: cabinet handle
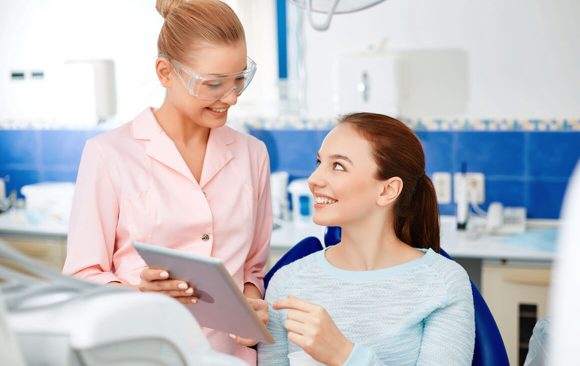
[527,278]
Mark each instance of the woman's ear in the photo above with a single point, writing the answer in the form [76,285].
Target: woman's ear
[164,69]
[391,189]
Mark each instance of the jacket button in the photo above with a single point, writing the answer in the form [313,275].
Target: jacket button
[205,237]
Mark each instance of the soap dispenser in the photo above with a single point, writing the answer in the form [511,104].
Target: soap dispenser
[462,198]
[4,203]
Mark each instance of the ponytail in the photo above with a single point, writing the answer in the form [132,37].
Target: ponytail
[417,220]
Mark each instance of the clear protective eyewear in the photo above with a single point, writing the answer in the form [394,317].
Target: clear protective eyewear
[213,88]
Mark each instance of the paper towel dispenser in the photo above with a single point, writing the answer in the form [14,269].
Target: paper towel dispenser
[410,83]
[88,91]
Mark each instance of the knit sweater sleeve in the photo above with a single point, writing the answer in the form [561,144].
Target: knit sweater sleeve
[275,354]
[449,331]
[363,356]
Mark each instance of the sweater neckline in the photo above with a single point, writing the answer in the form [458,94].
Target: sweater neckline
[376,274]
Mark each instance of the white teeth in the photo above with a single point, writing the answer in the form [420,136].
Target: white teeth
[219,110]
[325,201]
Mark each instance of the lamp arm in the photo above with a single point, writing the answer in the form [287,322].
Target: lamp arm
[326,24]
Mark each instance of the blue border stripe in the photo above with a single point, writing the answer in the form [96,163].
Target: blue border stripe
[282,43]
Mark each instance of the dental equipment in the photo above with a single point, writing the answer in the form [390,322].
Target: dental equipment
[60,320]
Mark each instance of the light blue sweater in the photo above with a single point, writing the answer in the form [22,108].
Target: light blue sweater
[416,313]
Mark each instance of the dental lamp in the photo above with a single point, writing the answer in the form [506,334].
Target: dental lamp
[331,7]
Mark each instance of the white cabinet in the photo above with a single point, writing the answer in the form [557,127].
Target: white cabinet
[517,295]
[50,251]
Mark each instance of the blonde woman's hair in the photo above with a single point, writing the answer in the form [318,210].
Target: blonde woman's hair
[190,24]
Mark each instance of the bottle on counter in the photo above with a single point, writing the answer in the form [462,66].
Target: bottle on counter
[4,203]
[462,196]
[302,201]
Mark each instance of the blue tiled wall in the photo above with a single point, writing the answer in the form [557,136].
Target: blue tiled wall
[31,156]
[522,168]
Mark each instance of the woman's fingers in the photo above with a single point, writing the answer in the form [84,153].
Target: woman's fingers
[187,300]
[157,280]
[246,342]
[299,340]
[260,308]
[154,274]
[179,293]
[293,326]
[293,302]
[164,285]
[301,316]
[258,304]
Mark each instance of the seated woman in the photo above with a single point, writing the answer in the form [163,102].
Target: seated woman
[382,296]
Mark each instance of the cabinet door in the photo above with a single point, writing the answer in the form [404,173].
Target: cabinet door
[48,251]
[517,295]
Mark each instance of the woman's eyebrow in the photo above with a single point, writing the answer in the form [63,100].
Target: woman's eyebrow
[341,157]
[230,74]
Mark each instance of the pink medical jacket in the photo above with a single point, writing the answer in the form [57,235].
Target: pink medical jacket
[133,184]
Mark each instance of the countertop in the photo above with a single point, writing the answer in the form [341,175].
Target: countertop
[29,223]
[461,244]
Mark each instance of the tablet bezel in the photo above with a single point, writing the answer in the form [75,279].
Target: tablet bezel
[185,266]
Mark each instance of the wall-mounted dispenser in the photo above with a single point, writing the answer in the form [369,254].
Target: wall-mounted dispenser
[88,92]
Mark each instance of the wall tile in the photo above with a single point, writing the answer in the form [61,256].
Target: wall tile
[59,174]
[545,198]
[438,148]
[508,192]
[292,150]
[19,178]
[552,154]
[447,209]
[19,147]
[62,147]
[522,168]
[495,153]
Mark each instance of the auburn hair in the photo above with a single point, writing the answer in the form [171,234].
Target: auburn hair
[397,152]
[195,23]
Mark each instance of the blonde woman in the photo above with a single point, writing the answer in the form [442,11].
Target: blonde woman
[176,176]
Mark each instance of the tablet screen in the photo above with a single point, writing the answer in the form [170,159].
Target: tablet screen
[222,305]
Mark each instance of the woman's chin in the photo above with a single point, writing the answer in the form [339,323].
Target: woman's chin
[323,221]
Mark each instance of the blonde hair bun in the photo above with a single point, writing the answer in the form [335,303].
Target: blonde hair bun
[190,24]
[164,7]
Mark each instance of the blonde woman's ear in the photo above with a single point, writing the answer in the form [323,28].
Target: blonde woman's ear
[391,190]
[164,70]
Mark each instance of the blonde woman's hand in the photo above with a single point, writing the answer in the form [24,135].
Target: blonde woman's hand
[158,280]
[311,328]
[261,309]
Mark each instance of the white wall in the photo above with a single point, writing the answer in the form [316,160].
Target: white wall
[524,54]
[43,34]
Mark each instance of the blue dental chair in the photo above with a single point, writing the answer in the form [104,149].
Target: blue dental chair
[489,347]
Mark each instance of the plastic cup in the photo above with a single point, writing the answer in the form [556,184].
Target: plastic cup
[302,358]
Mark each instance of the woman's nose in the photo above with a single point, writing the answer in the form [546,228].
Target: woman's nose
[230,97]
[315,179]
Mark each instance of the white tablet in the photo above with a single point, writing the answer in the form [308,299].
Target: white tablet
[222,305]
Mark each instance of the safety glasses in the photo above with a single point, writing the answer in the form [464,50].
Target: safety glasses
[213,88]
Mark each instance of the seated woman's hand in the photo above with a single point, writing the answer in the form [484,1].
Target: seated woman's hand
[311,328]
[158,280]
[261,308]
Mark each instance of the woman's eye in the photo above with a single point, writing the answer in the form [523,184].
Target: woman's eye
[317,162]
[337,166]
[214,85]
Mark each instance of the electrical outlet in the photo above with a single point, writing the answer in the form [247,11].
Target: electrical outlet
[442,184]
[475,186]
